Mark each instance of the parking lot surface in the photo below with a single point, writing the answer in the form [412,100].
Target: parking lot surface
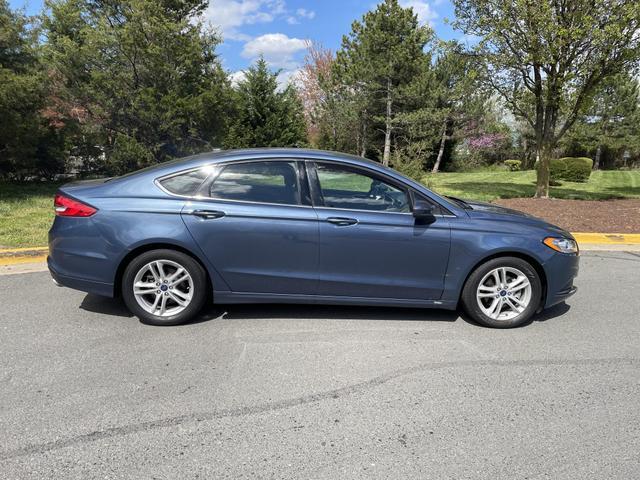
[86,391]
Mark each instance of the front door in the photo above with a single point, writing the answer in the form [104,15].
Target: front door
[257,228]
[370,243]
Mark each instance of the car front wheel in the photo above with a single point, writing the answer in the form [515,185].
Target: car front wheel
[164,287]
[502,293]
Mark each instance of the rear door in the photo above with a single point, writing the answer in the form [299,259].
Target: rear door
[370,243]
[255,223]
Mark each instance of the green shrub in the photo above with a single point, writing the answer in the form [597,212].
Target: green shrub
[411,166]
[571,169]
[513,165]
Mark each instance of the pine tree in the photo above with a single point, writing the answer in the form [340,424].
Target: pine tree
[265,116]
[28,143]
[378,60]
[140,78]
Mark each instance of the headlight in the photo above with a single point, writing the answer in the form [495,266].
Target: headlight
[562,245]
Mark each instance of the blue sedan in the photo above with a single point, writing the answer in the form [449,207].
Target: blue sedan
[301,226]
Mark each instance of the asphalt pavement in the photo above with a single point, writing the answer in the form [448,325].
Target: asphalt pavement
[86,391]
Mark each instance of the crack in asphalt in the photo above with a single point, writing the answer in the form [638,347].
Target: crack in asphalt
[35,449]
[611,257]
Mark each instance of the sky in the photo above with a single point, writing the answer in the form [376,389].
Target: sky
[279,29]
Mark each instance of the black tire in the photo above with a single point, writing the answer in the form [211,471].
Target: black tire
[195,270]
[470,301]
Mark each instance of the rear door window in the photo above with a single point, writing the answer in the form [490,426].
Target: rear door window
[262,182]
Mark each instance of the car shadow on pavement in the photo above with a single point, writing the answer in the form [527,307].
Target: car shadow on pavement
[105,306]
[116,307]
[325,312]
[546,315]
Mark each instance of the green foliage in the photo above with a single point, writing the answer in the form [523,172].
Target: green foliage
[609,130]
[140,78]
[571,169]
[29,145]
[513,165]
[266,117]
[409,163]
[379,63]
[547,58]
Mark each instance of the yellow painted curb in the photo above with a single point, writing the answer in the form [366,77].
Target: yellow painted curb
[16,260]
[24,249]
[608,238]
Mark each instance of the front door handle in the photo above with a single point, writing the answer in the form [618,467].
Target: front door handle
[342,221]
[208,214]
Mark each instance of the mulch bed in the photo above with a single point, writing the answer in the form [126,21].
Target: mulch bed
[606,216]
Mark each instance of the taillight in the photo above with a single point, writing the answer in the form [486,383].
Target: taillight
[67,207]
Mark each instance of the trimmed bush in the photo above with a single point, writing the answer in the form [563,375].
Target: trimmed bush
[571,169]
[513,165]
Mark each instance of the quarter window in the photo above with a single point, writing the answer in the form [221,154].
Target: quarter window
[348,188]
[264,182]
[185,183]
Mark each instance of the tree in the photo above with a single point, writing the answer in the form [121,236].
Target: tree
[266,117]
[547,57]
[612,123]
[139,78]
[332,109]
[379,59]
[459,100]
[28,142]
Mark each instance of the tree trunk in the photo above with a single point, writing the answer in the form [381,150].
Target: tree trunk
[387,133]
[363,151]
[596,163]
[542,185]
[443,141]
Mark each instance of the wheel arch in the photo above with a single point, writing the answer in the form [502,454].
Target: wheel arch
[534,262]
[117,285]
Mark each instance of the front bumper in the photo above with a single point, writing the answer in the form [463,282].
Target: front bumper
[561,270]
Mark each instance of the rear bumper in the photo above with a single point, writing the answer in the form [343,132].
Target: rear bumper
[84,285]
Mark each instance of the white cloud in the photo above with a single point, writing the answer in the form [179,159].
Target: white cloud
[230,15]
[237,77]
[425,13]
[301,13]
[277,49]
[304,13]
[287,77]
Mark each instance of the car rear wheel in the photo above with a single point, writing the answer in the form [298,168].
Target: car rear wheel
[504,292]
[164,287]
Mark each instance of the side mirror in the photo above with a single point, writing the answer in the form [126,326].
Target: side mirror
[422,209]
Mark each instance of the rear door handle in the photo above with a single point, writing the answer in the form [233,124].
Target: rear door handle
[208,214]
[342,221]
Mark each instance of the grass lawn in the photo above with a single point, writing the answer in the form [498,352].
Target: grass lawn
[489,186]
[26,210]
[26,213]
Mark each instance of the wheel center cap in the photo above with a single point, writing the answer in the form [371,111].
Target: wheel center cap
[164,288]
[503,293]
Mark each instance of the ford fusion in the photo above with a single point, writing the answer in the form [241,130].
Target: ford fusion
[301,226]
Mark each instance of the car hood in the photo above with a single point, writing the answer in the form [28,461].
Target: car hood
[496,212]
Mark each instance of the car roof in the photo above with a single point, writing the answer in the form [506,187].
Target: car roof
[250,153]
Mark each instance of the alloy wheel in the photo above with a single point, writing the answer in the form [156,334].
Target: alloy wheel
[163,288]
[504,293]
